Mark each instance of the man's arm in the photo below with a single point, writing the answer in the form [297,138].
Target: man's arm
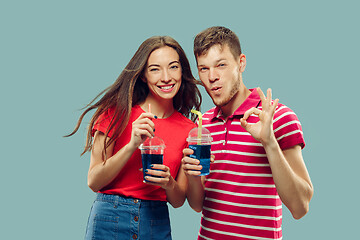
[195,189]
[291,178]
[289,172]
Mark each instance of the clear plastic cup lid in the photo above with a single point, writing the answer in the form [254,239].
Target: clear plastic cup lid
[194,135]
[152,143]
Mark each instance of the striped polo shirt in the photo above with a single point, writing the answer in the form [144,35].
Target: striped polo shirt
[241,200]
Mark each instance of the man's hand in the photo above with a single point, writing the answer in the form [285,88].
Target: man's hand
[263,129]
[190,165]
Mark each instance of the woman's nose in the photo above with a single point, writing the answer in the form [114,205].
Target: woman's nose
[165,76]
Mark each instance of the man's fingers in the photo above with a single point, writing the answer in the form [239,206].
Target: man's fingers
[194,173]
[243,123]
[190,161]
[274,105]
[191,164]
[261,94]
[188,151]
[252,110]
[268,93]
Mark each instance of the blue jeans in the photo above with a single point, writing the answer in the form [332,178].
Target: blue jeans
[117,217]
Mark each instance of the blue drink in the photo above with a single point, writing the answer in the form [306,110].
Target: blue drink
[148,159]
[202,153]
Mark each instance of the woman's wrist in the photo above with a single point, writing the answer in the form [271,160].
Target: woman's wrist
[171,184]
[130,147]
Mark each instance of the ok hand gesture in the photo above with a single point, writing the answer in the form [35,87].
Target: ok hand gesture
[263,129]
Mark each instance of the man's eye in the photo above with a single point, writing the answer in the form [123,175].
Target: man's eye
[221,65]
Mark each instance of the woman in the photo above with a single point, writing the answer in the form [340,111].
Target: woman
[126,207]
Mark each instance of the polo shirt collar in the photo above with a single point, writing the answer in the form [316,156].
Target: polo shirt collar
[253,100]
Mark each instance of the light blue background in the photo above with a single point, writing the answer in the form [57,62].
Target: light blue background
[55,56]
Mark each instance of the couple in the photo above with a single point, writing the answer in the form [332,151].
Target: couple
[257,146]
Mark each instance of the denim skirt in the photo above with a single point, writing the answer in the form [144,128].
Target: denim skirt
[117,217]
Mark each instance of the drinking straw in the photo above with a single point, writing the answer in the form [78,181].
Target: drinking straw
[199,125]
[149,107]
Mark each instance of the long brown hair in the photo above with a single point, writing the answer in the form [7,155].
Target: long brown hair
[129,90]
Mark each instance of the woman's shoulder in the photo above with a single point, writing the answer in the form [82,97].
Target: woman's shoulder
[109,113]
[181,119]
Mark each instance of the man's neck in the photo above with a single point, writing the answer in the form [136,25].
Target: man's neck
[235,102]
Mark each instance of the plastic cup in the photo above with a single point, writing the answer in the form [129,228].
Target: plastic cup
[199,141]
[152,152]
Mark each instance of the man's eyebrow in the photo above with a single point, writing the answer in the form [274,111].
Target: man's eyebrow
[216,62]
[221,59]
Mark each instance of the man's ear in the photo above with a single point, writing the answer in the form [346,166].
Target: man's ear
[242,60]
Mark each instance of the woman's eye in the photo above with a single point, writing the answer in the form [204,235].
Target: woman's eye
[153,69]
[174,67]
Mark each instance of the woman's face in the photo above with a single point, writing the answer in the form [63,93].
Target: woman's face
[163,73]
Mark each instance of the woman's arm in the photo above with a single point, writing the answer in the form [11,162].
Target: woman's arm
[101,172]
[175,189]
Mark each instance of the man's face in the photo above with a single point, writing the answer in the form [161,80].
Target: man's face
[220,73]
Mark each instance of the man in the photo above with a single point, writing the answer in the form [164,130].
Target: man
[257,144]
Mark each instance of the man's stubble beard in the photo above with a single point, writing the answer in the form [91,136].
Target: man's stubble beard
[234,90]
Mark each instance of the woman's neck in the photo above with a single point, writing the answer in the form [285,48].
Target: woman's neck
[163,109]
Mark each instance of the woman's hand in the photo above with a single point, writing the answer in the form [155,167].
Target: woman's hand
[160,176]
[142,128]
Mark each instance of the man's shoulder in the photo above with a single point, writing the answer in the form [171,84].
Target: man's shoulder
[210,112]
[283,110]
[209,115]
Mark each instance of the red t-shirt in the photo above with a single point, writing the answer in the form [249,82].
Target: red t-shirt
[129,182]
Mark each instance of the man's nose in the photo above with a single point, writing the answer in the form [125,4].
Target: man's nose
[213,75]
